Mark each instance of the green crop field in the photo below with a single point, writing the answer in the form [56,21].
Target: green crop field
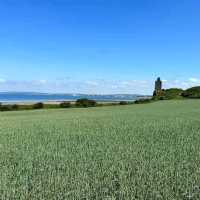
[149,151]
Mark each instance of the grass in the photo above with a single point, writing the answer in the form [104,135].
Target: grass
[149,151]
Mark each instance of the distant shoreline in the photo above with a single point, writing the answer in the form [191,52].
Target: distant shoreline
[56,102]
[28,98]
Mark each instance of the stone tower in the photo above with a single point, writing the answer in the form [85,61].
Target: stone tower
[158,86]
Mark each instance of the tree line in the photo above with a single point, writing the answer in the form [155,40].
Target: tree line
[79,103]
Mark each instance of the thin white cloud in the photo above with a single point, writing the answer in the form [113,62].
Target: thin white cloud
[43,81]
[184,84]
[2,80]
[96,86]
[92,83]
[194,80]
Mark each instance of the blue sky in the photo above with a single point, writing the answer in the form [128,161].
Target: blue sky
[98,46]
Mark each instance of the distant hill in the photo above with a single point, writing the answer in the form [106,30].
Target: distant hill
[193,92]
[33,96]
[177,93]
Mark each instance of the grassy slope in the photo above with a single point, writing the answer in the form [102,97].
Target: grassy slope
[149,151]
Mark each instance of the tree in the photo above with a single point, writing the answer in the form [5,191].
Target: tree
[14,107]
[142,101]
[5,108]
[123,103]
[65,104]
[39,105]
[85,103]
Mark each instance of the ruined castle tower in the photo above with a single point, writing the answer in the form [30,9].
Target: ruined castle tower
[158,86]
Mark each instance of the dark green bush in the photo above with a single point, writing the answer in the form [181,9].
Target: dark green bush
[14,107]
[8,107]
[39,105]
[86,103]
[65,104]
[5,108]
[123,103]
[141,101]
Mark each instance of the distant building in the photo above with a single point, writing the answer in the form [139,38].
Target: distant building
[158,86]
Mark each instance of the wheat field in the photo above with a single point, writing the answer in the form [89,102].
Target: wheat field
[149,151]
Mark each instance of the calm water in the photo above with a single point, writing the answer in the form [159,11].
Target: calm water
[36,97]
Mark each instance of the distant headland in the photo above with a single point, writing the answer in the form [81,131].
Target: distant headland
[174,93]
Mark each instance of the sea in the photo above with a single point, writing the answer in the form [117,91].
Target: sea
[16,97]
